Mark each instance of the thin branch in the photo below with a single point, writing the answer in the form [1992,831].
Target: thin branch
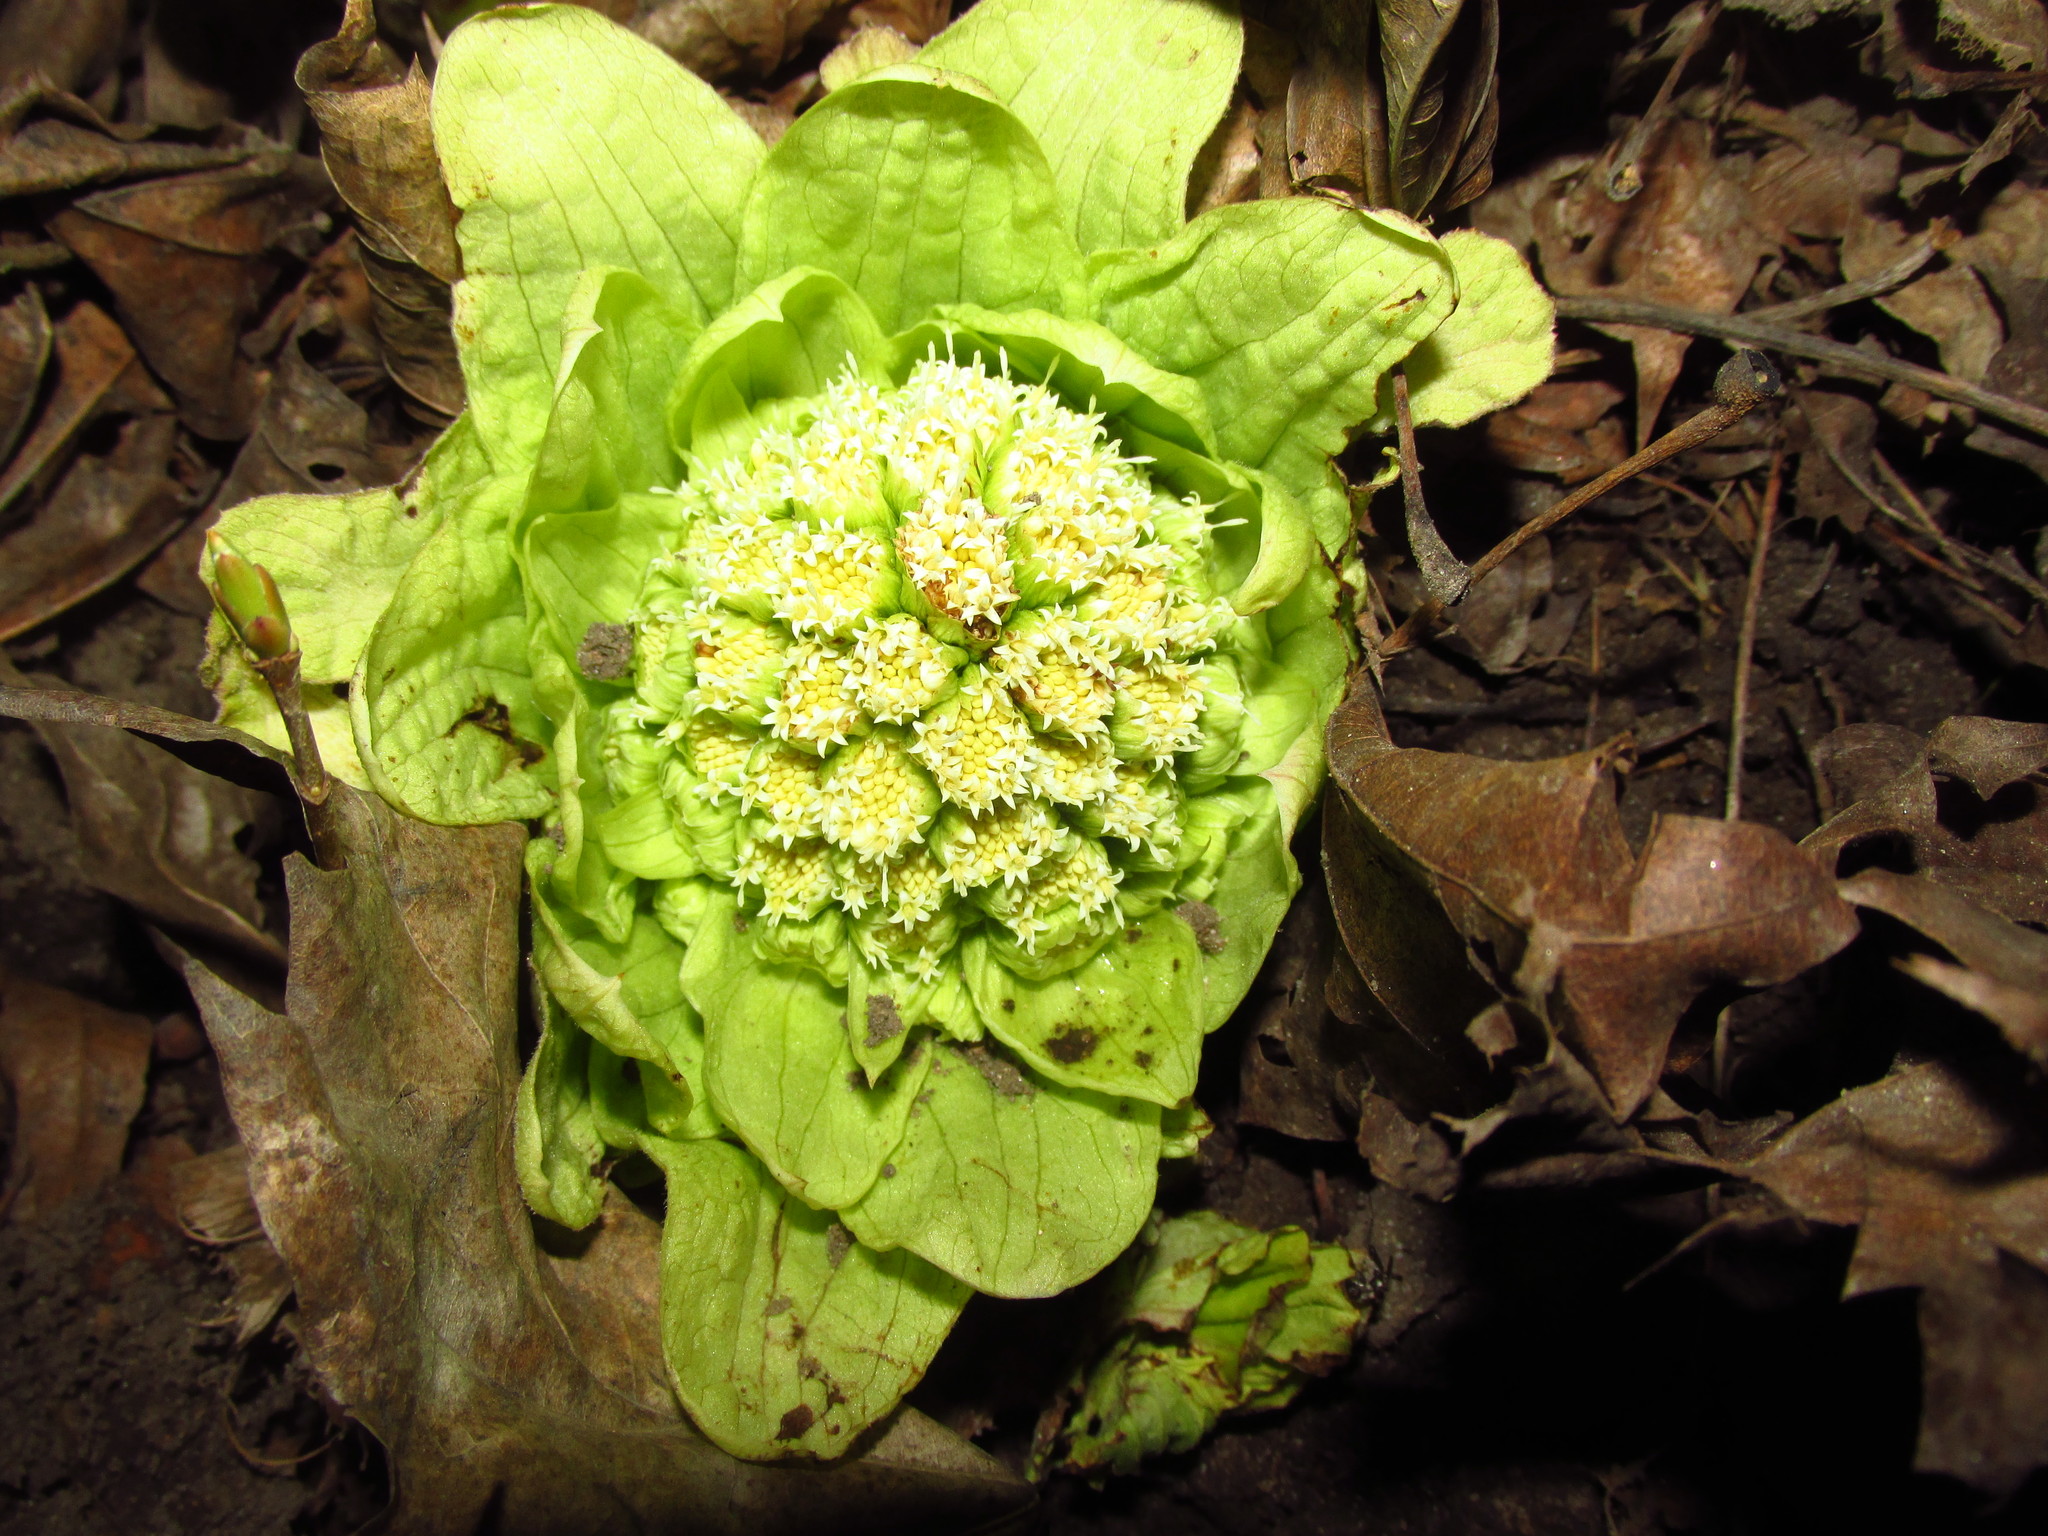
[1745,640]
[1625,176]
[1444,575]
[1897,275]
[1745,381]
[1836,355]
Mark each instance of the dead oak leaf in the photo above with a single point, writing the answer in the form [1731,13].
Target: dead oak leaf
[74,1069]
[1948,1193]
[510,1386]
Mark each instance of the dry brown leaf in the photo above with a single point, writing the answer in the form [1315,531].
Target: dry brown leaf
[1563,428]
[734,39]
[210,1197]
[92,354]
[1687,239]
[69,43]
[189,260]
[1841,433]
[161,836]
[55,155]
[377,1115]
[378,145]
[1949,307]
[1287,1076]
[2003,968]
[1528,864]
[74,1069]
[24,350]
[1903,797]
[1944,1183]
[108,513]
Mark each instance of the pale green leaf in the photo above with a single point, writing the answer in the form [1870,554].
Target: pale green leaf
[570,143]
[1256,882]
[1016,1185]
[781,1072]
[784,1336]
[1120,94]
[1127,1022]
[1286,312]
[555,1142]
[919,191]
[1495,347]
[783,342]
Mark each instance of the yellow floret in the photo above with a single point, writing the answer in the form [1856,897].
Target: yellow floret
[1139,808]
[897,669]
[828,579]
[957,553]
[815,707]
[1159,708]
[1072,772]
[1000,846]
[978,747]
[795,882]
[718,752]
[948,416]
[1129,606]
[783,783]
[876,801]
[1058,673]
[735,658]
[1078,877]
[914,888]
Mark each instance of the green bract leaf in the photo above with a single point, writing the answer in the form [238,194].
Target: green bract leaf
[918,190]
[783,342]
[1495,347]
[1015,1185]
[555,1138]
[442,698]
[781,1072]
[1120,93]
[569,143]
[1127,1022]
[785,1337]
[1286,312]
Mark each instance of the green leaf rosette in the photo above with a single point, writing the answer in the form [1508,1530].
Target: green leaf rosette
[894,573]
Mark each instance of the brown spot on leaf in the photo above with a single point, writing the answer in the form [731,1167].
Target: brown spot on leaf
[1003,1074]
[1072,1044]
[777,1306]
[837,1241]
[1207,923]
[492,718]
[884,1022]
[606,654]
[796,1423]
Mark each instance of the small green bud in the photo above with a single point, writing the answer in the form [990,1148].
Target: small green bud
[249,600]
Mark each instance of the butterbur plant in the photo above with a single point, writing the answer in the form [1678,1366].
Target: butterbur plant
[896,574]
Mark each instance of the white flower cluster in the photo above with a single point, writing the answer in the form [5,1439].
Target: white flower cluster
[933,650]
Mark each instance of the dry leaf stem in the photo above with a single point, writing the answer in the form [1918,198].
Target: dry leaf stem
[1837,356]
[1443,573]
[1745,381]
[1625,176]
[282,674]
[1897,275]
[1745,638]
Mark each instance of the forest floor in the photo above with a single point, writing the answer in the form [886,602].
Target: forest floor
[1534,1359]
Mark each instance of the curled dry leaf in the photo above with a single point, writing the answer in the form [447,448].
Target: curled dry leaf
[68,43]
[1288,1075]
[1514,880]
[1966,807]
[55,154]
[1945,1184]
[377,142]
[161,836]
[74,1069]
[377,1114]
[24,350]
[92,355]
[189,260]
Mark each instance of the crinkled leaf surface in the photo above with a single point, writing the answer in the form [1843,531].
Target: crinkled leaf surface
[781,1072]
[1286,312]
[1120,94]
[788,1336]
[569,143]
[1495,347]
[918,190]
[1015,1185]
[500,1378]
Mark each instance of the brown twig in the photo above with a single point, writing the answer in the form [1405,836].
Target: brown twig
[1745,381]
[1897,275]
[1444,575]
[314,786]
[1625,176]
[1745,640]
[1839,357]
